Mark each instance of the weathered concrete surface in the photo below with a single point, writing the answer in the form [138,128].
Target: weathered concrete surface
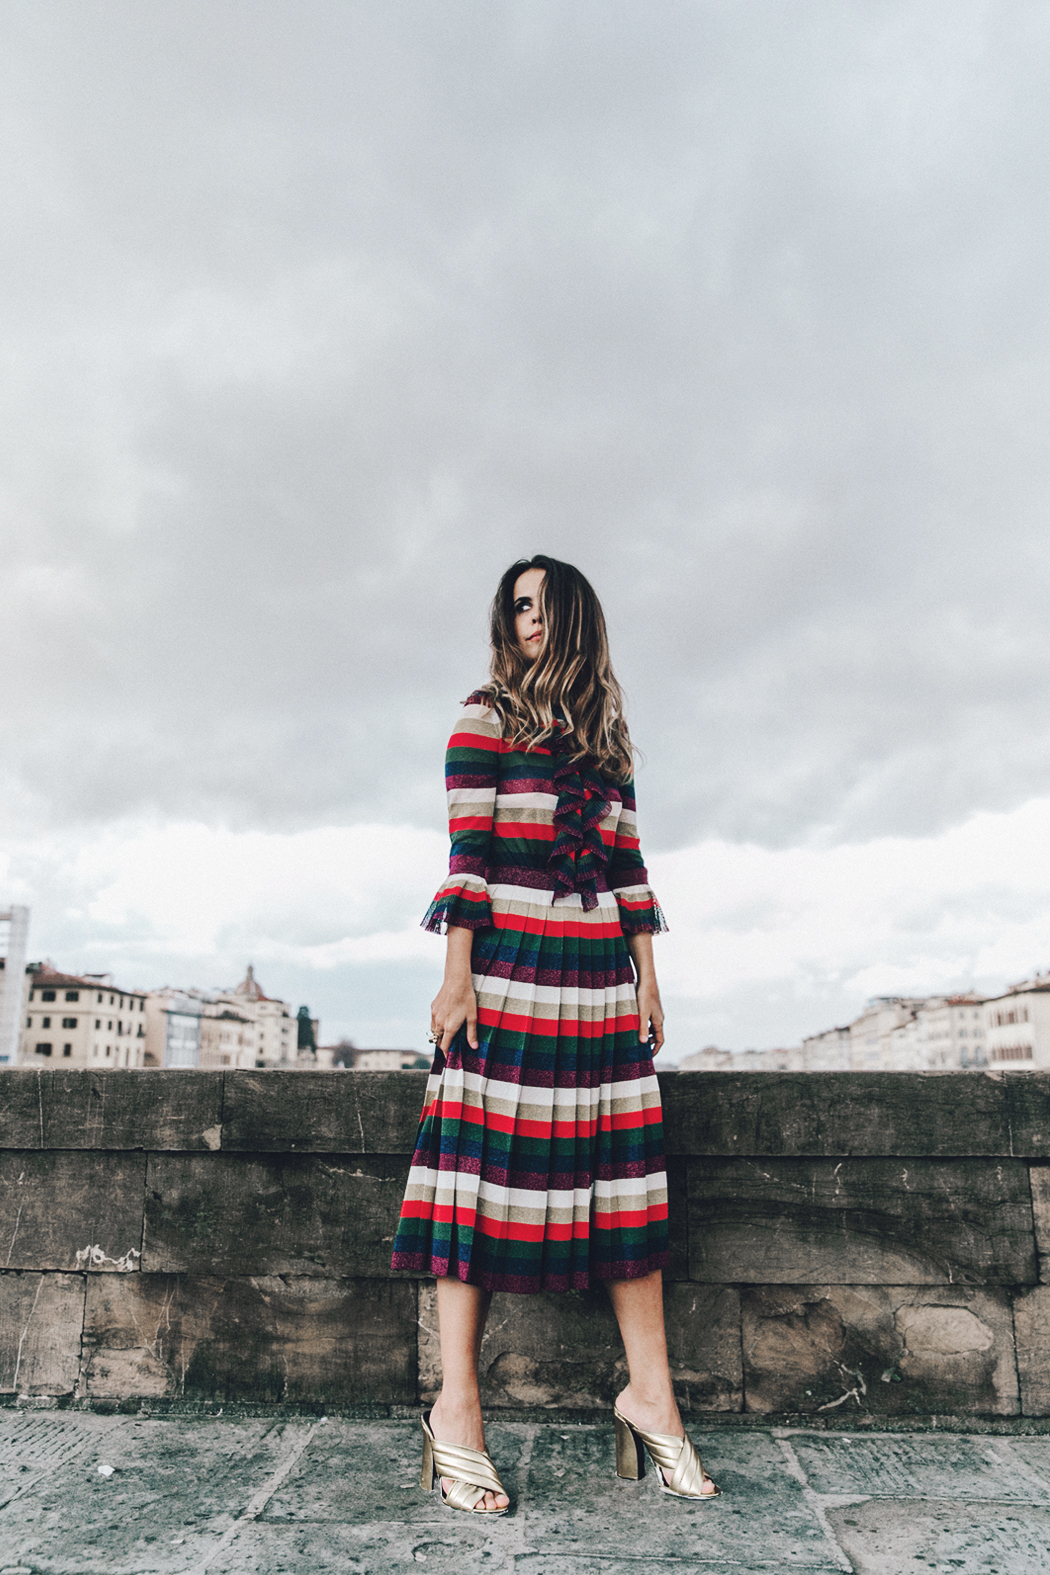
[861,1221]
[864,1237]
[887,1350]
[132,1109]
[323,1112]
[273,1214]
[271,1339]
[71,1211]
[41,1316]
[1039,1177]
[256,1498]
[1032,1334]
[857,1113]
[565,1351]
[22,1109]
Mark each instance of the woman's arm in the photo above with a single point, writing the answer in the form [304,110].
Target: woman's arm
[456,1003]
[650,1011]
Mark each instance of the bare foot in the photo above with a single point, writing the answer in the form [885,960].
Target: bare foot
[463,1425]
[656,1416]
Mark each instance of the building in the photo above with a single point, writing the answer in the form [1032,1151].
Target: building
[82,1020]
[246,1028]
[827,1052]
[173,1028]
[348,1056]
[871,1044]
[952,1032]
[711,1059]
[1017,1025]
[12,966]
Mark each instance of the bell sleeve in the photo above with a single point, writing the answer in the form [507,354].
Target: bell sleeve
[471,771]
[640,913]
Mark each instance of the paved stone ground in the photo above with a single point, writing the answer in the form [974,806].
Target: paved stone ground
[258,1496]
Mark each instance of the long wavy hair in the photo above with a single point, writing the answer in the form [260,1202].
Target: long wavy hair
[571,677]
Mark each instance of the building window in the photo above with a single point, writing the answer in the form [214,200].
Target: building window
[47,995]
[98,1022]
[69,1022]
[109,1026]
[29,1022]
[109,1050]
[43,1049]
[72,995]
[45,1022]
[99,1001]
[67,1050]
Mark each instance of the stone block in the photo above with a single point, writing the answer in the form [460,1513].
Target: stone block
[678,1219]
[322,1112]
[1032,1326]
[264,1339]
[1039,1177]
[918,1465]
[590,1514]
[71,1210]
[274,1214]
[564,1350]
[41,1319]
[861,1221]
[21,1108]
[130,1109]
[178,1485]
[925,1536]
[884,1350]
[332,1482]
[858,1113]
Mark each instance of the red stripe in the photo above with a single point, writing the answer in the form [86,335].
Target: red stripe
[474,741]
[532,831]
[552,923]
[552,1027]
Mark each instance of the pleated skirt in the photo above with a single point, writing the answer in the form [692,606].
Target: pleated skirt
[539,1164]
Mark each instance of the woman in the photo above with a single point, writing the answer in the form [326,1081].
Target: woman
[539,1163]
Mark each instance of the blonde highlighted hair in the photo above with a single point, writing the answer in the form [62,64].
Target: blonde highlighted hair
[571,678]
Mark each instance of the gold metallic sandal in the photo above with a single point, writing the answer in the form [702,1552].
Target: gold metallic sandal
[677,1463]
[472,1473]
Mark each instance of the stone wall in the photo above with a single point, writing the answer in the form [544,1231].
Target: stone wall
[841,1243]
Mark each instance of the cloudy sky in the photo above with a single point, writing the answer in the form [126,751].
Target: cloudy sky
[314,315]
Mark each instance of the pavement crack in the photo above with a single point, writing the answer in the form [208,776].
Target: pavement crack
[258,1502]
[819,1512]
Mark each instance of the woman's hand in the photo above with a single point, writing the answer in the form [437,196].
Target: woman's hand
[650,1009]
[456,1003]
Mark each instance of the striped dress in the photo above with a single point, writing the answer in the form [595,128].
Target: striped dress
[539,1163]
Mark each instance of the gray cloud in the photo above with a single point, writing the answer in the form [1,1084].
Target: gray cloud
[314,316]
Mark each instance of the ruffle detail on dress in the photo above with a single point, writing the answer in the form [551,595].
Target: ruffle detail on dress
[647,918]
[462,902]
[579,856]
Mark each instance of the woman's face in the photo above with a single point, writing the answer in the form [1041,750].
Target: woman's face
[528,620]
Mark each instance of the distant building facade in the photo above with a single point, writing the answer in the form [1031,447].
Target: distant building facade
[1017,1025]
[82,1020]
[247,1029]
[346,1056]
[173,1028]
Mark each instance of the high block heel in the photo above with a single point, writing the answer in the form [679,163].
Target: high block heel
[471,1472]
[678,1466]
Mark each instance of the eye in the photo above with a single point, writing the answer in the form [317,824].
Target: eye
[522,604]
